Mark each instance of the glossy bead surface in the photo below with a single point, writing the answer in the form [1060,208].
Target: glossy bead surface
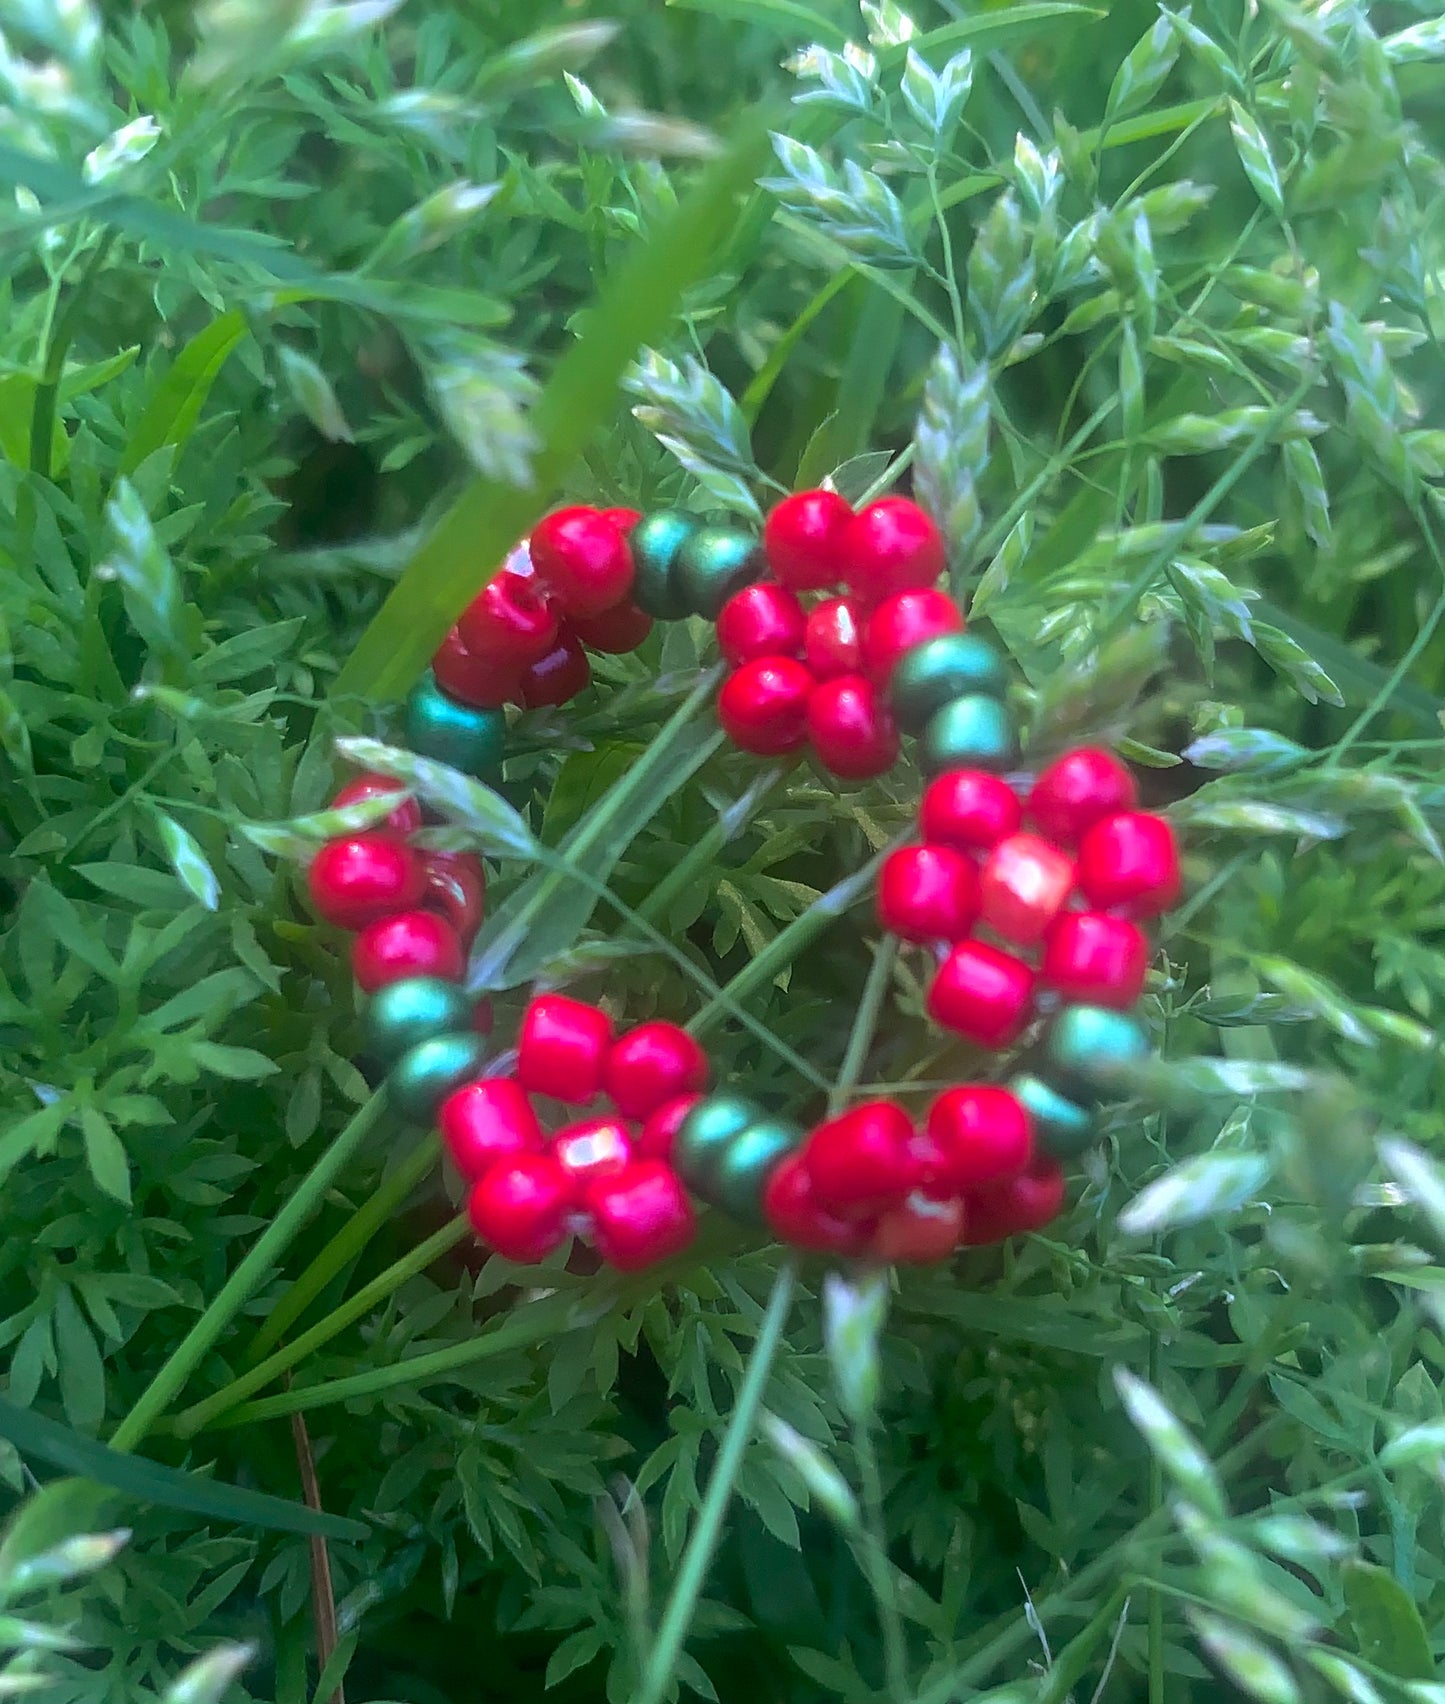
[410,1010]
[520,1207]
[641,1216]
[1023,886]
[655,542]
[982,993]
[653,1063]
[934,673]
[510,621]
[969,810]
[763,708]
[901,624]
[478,682]
[1095,959]
[615,631]
[1079,789]
[705,1135]
[1087,1048]
[1062,1128]
[658,1134]
[714,564]
[456,888]
[928,893]
[582,559]
[486,1122]
[1130,863]
[765,620]
[592,1149]
[1027,1202]
[562,1047]
[405,819]
[803,538]
[361,877]
[971,732]
[743,1169]
[408,943]
[558,677]
[426,1074]
[861,1161]
[796,1216]
[983,1133]
[466,738]
[852,731]
[891,546]
[919,1231]
[833,639]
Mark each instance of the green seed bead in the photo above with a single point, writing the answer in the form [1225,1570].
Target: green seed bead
[972,732]
[745,1165]
[654,543]
[426,1074]
[706,1134]
[713,564]
[940,669]
[1086,1047]
[440,728]
[413,1010]
[1063,1127]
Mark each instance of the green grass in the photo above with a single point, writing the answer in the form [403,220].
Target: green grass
[1147,307]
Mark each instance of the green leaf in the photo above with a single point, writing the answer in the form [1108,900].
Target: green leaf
[105,1154]
[176,402]
[1388,1628]
[499,828]
[188,861]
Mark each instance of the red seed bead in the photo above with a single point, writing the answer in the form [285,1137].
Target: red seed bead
[659,1132]
[983,1133]
[582,558]
[902,621]
[653,1063]
[1078,790]
[362,877]
[969,810]
[615,631]
[1129,863]
[1095,959]
[803,539]
[833,639]
[1023,886]
[487,1122]
[482,682]
[928,893]
[409,943]
[404,820]
[891,546]
[861,1161]
[623,519]
[562,1048]
[509,622]
[851,729]
[557,677]
[592,1149]
[456,888]
[1023,1203]
[982,994]
[520,1207]
[919,1231]
[796,1216]
[763,708]
[764,620]
[641,1216]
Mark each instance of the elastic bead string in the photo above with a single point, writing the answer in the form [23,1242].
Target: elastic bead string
[1028,895]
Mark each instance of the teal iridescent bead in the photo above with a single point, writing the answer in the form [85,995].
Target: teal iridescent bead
[452,733]
[714,563]
[1086,1047]
[705,1135]
[426,1074]
[654,543]
[742,1169]
[413,1010]
[1063,1127]
[972,732]
[928,676]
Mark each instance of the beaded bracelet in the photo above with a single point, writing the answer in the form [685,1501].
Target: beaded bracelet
[1059,869]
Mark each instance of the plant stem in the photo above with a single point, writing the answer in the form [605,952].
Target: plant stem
[890,1620]
[697,1557]
[865,1022]
[248,1277]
